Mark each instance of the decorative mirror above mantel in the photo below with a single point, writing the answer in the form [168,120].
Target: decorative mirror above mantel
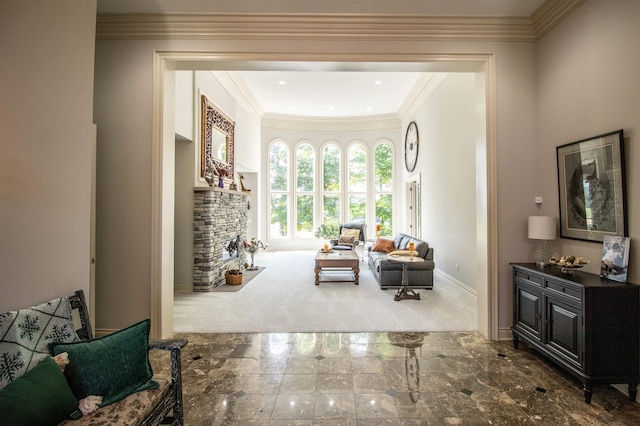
[216,152]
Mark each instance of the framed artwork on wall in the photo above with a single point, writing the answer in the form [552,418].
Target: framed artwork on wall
[591,187]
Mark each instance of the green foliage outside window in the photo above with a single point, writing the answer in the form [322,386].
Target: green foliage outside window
[331,168]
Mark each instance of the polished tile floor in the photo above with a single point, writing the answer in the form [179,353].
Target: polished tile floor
[438,378]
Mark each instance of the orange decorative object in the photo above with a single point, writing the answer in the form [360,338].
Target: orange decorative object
[326,247]
[378,227]
[411,246]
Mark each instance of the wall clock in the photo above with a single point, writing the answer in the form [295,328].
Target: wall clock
[411,141]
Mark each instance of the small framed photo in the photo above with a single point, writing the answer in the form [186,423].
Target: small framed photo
[615,258]
[591,187]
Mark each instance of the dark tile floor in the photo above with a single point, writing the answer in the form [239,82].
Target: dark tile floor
[438,378]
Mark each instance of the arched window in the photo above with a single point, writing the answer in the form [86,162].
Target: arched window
[357,183]
[305,187]
[331,187]
[383,185]
[279,189]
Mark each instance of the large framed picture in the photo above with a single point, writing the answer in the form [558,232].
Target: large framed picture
[591,184]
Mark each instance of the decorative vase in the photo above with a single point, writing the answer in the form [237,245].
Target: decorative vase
[252,267]
[220,182]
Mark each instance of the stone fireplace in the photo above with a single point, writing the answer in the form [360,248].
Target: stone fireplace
[219,217]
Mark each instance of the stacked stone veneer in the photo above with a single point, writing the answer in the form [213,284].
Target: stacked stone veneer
[219,215]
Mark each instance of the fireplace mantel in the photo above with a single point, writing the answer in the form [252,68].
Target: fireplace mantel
[219,215]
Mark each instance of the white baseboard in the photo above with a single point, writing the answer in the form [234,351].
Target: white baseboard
[505,334]
[459,283]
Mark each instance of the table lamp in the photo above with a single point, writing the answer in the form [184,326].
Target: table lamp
[543,229]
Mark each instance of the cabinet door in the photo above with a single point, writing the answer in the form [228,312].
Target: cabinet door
[564,329]
[527,309]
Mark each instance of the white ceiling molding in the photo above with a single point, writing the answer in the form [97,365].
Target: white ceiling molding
[551,13]
[424,87]
[370,123]
[237,88]
[333,27]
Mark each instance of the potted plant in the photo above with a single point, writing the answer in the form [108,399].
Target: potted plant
[252,246]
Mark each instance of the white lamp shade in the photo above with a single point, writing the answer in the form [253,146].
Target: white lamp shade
[542,227]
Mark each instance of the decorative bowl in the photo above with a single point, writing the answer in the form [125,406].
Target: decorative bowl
[568,264]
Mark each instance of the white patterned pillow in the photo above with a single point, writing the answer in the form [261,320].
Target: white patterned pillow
[25,336]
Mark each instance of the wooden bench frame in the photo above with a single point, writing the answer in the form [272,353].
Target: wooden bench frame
[172,401]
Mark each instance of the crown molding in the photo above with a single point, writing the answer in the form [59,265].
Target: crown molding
[295,123]
[311,26]
[551,13]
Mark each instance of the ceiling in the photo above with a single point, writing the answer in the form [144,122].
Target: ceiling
[337,93]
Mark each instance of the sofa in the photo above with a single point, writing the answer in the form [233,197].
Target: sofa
[64,376]
[389,273]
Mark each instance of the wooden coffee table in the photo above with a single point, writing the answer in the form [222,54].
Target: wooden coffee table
[337,261]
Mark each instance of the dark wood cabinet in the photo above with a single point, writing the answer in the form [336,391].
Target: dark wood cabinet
[588,325]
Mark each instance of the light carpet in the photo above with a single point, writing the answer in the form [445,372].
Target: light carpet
[247,276]
[283,298]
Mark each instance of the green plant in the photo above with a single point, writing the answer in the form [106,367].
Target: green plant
[327,231]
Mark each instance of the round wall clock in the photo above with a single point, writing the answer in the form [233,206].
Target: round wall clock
[411,141]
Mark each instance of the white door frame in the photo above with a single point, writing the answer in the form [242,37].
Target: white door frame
[166,61]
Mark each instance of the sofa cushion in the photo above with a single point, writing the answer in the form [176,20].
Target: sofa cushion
[383,245]
[130,411]
[113,366]
[39,397]
[25,336]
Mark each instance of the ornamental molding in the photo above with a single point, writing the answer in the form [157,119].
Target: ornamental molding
[208,26]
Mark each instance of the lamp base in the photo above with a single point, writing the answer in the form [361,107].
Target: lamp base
[542,254]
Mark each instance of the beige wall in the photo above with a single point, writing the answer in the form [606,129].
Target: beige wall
[46,144]
[588,84]
[447,164]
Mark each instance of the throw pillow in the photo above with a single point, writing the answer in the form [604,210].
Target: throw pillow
[39,397]
[383,245]
[346,240]
[114,366]
[355,233]
[25,336]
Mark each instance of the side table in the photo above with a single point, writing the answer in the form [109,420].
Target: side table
[405,292]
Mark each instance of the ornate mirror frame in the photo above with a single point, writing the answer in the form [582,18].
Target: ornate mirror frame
[211,118]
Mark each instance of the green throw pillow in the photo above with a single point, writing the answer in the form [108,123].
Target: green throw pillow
[39,397]
[114,366]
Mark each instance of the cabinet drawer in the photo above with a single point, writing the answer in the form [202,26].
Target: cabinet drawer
[531,278]
[565,289]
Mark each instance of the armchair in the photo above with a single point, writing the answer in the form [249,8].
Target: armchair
[351,230]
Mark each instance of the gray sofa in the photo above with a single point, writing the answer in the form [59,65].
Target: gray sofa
[389,273]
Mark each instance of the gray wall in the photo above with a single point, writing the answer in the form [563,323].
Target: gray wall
[588,84]
[46,149]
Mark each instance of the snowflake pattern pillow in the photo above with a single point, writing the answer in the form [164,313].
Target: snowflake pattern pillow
[25,336]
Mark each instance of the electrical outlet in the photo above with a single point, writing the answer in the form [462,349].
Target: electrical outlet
[538,200]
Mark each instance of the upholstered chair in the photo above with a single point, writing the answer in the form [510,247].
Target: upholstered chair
[357,231]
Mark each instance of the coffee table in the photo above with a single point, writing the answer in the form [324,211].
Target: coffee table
[337,261]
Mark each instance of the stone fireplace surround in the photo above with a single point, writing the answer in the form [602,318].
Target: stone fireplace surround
[219,215]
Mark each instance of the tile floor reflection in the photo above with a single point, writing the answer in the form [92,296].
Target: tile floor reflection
[439,378]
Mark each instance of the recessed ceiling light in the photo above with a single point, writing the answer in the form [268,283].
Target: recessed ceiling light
[331,108]
[294,108]
[378,82]
[282,82]
[369,108]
